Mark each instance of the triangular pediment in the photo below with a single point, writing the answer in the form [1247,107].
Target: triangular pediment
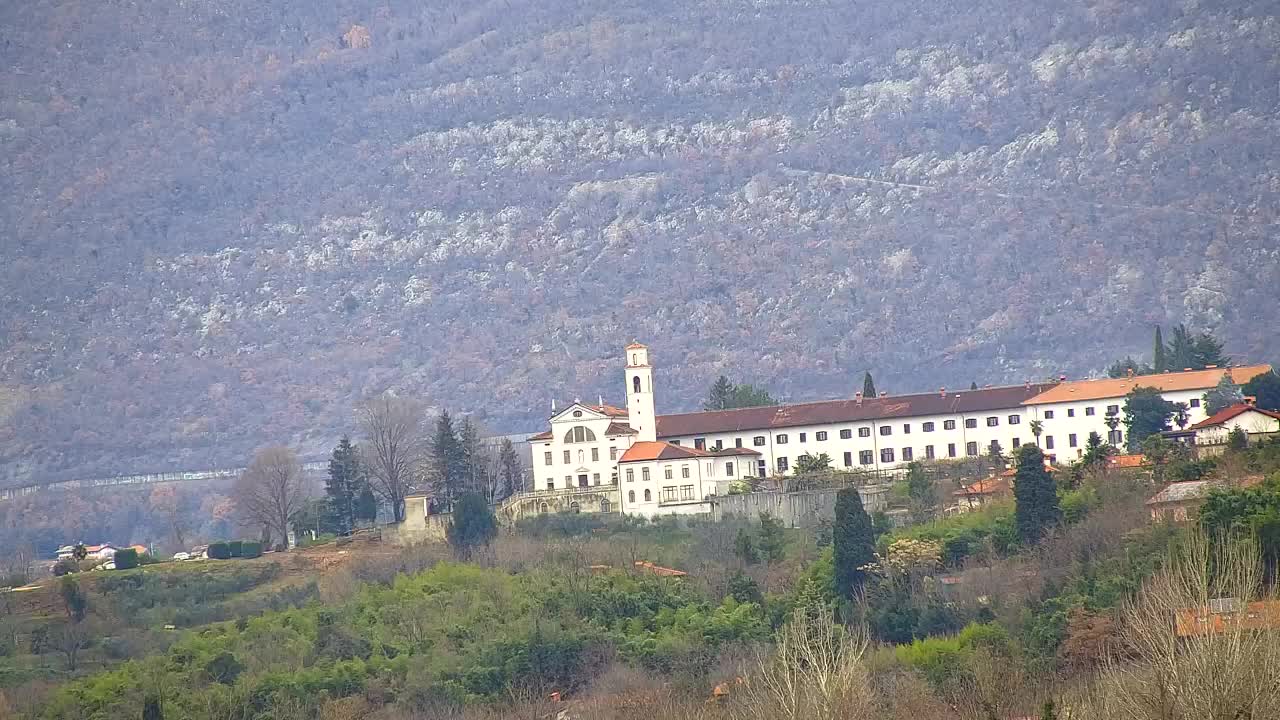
[587,413]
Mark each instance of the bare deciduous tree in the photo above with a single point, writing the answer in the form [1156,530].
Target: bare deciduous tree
[394,448]
[270,490]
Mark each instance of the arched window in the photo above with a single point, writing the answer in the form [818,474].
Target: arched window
[543,508]
[648,496]
[631,496]
[604,506]
[581,455]
[635,383]
[578,434]
[575,508]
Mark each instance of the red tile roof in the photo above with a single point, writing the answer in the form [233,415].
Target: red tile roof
[1165,382]
[646,450]
[843,411]
[1126,461]
[990,486]
[619,429]
[635,346]
[609,410]
[659,570]
[1234,411]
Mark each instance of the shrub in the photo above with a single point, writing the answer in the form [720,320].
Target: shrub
[251,549]
[236,548]
[126,559]
[220,551]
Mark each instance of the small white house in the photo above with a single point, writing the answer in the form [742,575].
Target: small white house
[1253,421]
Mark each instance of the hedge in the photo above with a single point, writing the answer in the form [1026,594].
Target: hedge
[220,551]
[237,548]
[126,559]
[251,549]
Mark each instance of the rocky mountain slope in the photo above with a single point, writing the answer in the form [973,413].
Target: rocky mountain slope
[227,221]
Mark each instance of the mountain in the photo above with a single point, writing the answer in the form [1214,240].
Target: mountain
[226,221]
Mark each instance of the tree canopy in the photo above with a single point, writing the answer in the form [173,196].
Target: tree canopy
[1036,507]
[725,395]
[853,542]
[1146,413]
[1266,389]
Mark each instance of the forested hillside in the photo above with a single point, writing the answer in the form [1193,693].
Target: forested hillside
[226,221]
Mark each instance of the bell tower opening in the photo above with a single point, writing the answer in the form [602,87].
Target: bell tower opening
[640,404]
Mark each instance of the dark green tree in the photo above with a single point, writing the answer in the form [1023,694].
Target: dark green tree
[450,462]
[1036,509]
[747,395]
[1146,413]
[808,464]
[720,396]
[744,546]
[1181,415]
[1250,512]
[344,484]
[1209,351]
[1237,439]
[473,525]
[1158,362]
[853,541]
[152,709]
[1127,367]
[773,540]
[1266,389]
[75,603]
[1096,451]
[79,552]
[472,454]
[1223,395]
[1181,352]
[973,385]
[868,385]
[510,470]
[366,506]
[922,496]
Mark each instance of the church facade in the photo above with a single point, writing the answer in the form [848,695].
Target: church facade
[602,458]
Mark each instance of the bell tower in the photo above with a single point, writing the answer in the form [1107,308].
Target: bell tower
[639,375]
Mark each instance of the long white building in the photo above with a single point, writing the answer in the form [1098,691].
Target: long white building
[637,462]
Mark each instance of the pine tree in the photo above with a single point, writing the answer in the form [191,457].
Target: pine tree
[471,455]
[343,485]
[509,470]
[720,395]
[473,525]
[1181,351]
[973,385]
[1266,389]
[744,546]
[773,541]
[1222,396]
[868,386]
[854,543]
[1158,363]
[923,498]
[1035,495]
[450,462]
[366,505]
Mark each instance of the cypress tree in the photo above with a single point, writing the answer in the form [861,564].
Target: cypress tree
[450,461]
[366,504]
[720,395]
[473,526]
[853,540]
[343,485]
[868,385]
[509,467]
[1035,495]
[1158,363]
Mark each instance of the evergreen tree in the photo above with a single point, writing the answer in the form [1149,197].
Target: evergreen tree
[1237,439]
[1096,452]
[1209,351]
[1181,352]
[973,385]
[510,470]
[772,542]
[450,462]
[1266,389]
[720,395]
[1146,413]
[1158,363]
[1035,495]
[152,709]
[1222,396]
[473,525]
[471,455]
[921,494]
[366,505]
[868,385]
[744,546]
[344,483]
[853,539]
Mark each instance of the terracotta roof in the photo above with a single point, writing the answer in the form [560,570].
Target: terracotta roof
[736,451]
[619,429]
[609,410]
[1013,471]
[990,486]
[843,411]
[1224,614]
[1126,461]
[647,450]
[659,570]
[1165,382]
[636,346]
[544,435]
[1228,413]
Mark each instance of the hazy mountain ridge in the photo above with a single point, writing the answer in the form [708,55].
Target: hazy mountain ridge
[226,227]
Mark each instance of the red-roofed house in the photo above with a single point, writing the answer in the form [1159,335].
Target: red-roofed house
[1211,433]
[662,478]
[983,492]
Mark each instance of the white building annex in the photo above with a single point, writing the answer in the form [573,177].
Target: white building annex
[601,458]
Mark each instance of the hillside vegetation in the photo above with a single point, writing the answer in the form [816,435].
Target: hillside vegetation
[227,219]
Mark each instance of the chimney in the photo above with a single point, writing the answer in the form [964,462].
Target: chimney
[1210,367]
[884,393]
[1062,378]
[601,399]
[553,405]
[857,397]
[1028,385]
[1129,372]
[1250,400]
[942,391]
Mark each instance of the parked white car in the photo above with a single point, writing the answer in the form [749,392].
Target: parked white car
[109,565]
[182,556]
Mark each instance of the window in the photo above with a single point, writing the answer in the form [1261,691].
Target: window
[1089,411]
[675,442]
[582,457]
[886,455]
[666,472]
[993,421]
[928,452]
[1113,409]
[595,454]
[700,443]
[567,457]
[781,440]
[1016,443]
[886,430]
[543,508]
[1195,402]
[604,506]
[631,496]
[1071,440]
[848,459]
[577,413]
[613,477]
[971,423]
[1114,437]
[758,441]
[613,453]
[864,432]
[906,428]
[648,496]
[1071,412]
[579,434]
[547,456]
[737,442]
[668,494]
[971,449]
[994,447]
[802,438]
[951,449]
[1015,419]
[782,464]
[551,484]
[728,469]
[684,471]
[1048,442]
[595,478]
[686,492]
[928,427]
[1048,414]
[719,445]
[762,469]
[644,474]
[631,475]
[907,454]
[846,434]
[865,457]
[568,481]
[820,436]
[948,424]
[635,387]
